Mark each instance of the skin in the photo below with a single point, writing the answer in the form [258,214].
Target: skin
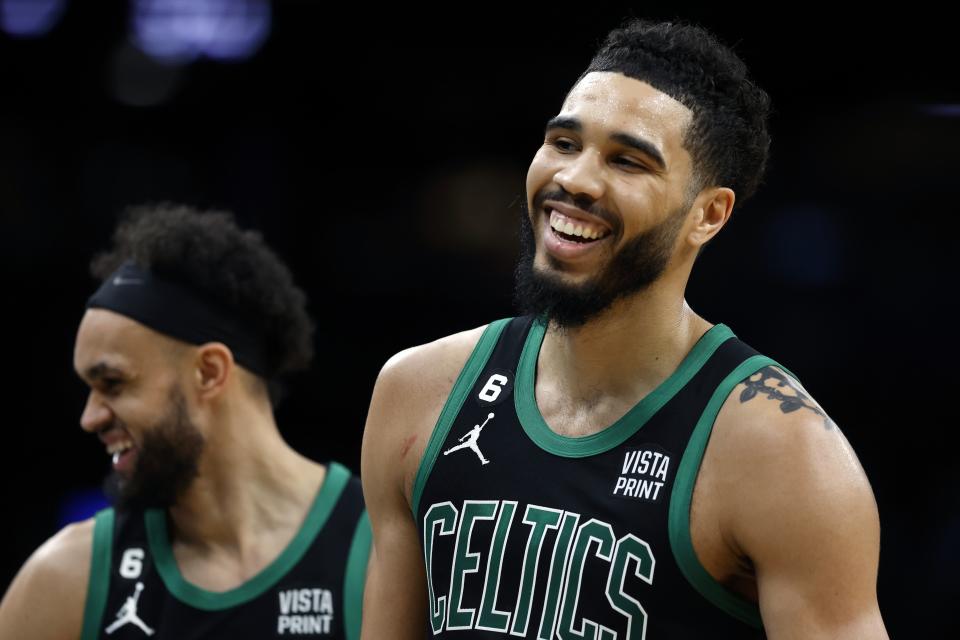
[251,496]
[782,512]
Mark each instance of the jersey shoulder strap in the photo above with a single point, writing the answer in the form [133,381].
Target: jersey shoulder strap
[98,585]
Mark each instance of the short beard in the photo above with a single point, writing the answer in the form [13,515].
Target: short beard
[632,269]
[168,461]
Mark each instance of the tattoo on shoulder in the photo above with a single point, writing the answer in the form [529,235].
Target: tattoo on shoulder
[776,386]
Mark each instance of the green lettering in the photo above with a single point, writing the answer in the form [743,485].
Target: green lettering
[444,514]
[541,519]
[465,562]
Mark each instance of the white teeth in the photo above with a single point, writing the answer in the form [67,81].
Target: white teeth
[119,447]
[116,457]
[562,224]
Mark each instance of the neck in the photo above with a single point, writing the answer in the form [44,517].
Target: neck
[616,359]
[251,483]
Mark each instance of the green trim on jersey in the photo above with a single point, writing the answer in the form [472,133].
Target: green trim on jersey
[617,433]
[159,541]
[356,577]
[98,584]
[458,395]
[681,541]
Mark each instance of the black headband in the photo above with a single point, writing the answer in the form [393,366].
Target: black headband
[179,312]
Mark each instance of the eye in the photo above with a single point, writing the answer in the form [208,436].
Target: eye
[563,145]
[110,385]
[628,163]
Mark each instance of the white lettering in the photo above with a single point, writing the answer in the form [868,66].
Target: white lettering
[657,492]
[662,471]
[621,482]
[312,601]
[628,460]
[286,597]
[644,489]
[645,463]
[656,459]
[295,625]
[304,601]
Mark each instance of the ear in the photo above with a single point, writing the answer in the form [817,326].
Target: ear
[712,210]
[213,368]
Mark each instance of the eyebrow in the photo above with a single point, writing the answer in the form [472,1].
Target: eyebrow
[564,122]
[639,144]
[102,370]
[643,146]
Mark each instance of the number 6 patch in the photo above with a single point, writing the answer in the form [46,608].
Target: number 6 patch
[496,389]
[131,564]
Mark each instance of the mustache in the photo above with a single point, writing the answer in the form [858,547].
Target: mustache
[114,424]
[585,203]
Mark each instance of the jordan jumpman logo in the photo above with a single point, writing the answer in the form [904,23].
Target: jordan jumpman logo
[473,434]
[128,613]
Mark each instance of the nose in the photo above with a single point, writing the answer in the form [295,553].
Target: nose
[582,175]
[96,414]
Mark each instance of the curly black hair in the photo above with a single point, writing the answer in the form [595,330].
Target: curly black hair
[208,252]
[728,138]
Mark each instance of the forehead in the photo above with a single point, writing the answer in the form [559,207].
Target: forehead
[105,337]
[608,102]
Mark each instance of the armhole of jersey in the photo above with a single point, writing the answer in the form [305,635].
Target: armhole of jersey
[681,541]
[356,577]
[99,583]
[461,388]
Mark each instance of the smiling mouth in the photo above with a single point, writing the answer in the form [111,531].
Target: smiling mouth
[118,449]
[574,229]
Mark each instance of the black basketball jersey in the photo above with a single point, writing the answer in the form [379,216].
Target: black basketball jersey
[313,589]
[532,534]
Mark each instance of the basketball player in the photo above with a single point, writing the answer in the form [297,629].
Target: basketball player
[220,529]
[643,473]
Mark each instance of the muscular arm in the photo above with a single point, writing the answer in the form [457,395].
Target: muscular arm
[805,515]
[45,601]
[406,403]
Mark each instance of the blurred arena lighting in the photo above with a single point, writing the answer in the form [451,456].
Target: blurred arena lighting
[80,504]
[805,246]
[942,110]
[181,31]
[30,18]
[138,80]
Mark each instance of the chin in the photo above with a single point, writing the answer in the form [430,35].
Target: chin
[546,265]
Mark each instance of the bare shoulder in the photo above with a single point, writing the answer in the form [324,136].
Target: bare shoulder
[57,571]
[430,368]
[771,428]
[407,400]
[780,428]
[799,506]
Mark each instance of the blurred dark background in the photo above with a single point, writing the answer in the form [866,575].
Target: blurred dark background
[383,155]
